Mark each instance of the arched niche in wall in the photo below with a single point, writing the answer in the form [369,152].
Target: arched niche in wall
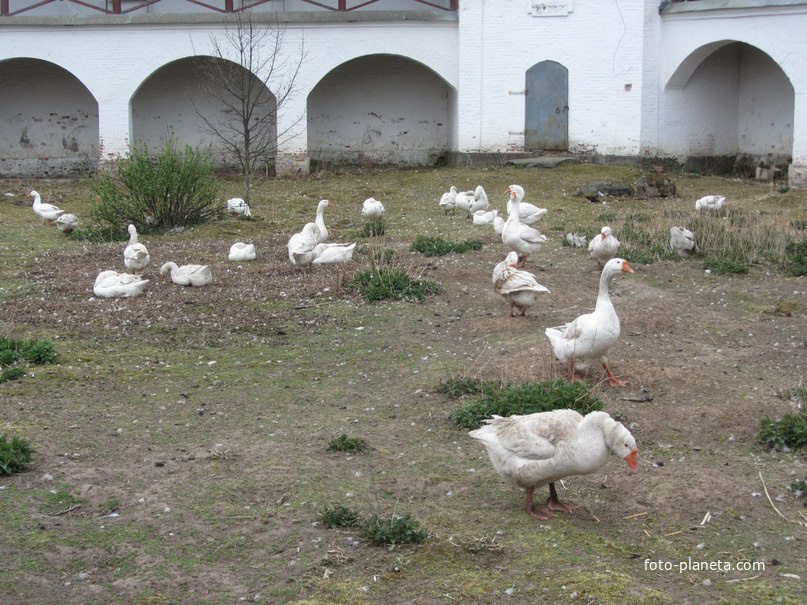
[383,109]
[50,121]
[728,98]
[196,102]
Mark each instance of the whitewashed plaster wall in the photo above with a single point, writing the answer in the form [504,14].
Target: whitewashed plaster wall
[47,113]
[601,45]
[689,34]
[380,108]
[113,62]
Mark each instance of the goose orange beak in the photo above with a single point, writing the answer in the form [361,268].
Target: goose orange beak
[626,268]
[631,460]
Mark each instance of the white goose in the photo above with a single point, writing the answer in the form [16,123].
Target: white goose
[111,284]
[498,224]
[372,208]
[49,212]
[710,202]
[236,205]
[603,246]
[540,449]
[448,201]
[320,221]
[240,251]
[682,241]
[520,237]
[528,214]
[480,201]
[135,256]
[188,275]
[301,245]
[589,337]
[67,222]
[518,287]
[485,217]
[575,240]
[326,254]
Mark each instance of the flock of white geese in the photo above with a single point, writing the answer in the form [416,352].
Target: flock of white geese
[531,450]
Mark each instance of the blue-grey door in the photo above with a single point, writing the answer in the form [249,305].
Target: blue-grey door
[546,123]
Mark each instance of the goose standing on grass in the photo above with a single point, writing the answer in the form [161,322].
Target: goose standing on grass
[528,214]
[236,205]
[448,201]
[67,222]
[240,251]
[372,208]
[540,449]
[301,245]
[520,237]
[603,246]
[111,284]
[518,287]
[588,338]
[682,241]
[49,212]
[187,275]
[135,256]
[710,202]
[480,201]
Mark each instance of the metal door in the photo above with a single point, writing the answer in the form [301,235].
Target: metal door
[546,124]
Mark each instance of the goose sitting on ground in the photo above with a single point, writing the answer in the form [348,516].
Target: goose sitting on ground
[603,246]
[589,337]
[325,254]
[240,251]
[111,284]
[528,214]
[319,221]
[448,201]
[67,222]
[372,208]
[682,241]
[236,205]
[485,217]
[542,448]
[710,202]
[301,245]
[49,212]
[135,256]
[188,275]
[520,237]
[518,287]
[576,241]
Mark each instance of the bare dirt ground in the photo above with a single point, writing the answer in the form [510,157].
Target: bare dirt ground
[181,440]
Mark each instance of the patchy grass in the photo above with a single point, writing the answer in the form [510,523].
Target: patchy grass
[527,398]
[788,432]
[437,246]
[15,454]
[392,530]
[390,283]
[343,443]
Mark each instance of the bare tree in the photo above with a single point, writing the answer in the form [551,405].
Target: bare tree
[249,78]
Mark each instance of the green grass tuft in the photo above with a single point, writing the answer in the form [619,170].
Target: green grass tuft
[794,262]
[339,516]
[789,432]
[526,398]
[387,283]
[388,531]
[14,454]
[373,228]
[343,443]
[454,388]
[436,246]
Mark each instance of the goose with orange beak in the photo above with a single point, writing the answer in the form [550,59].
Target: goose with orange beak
[588,338]
[540,449]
